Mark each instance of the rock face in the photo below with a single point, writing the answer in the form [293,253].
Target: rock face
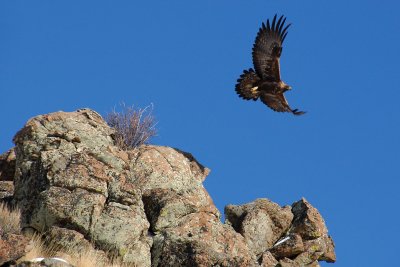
[70,176]
[148,206]
[310,225]
[185,222]
[296,235]
[261,222]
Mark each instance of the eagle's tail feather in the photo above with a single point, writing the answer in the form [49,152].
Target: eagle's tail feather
[247,85]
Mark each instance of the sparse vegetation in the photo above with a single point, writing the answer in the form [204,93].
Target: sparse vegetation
[89,258]
[133,126]
[10,224]
[85,258]
[9,220]
[39,249]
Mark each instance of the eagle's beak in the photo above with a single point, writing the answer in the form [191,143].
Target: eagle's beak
[287,88]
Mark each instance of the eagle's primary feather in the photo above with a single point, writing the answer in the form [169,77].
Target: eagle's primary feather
[265,82]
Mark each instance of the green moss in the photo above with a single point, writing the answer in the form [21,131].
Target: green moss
[122,252]
[164,212]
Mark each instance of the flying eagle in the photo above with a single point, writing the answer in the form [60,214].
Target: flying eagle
[265,81]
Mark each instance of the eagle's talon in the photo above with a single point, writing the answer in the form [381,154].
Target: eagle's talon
[297,112]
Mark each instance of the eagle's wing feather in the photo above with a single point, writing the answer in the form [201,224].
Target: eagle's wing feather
[278,102]
[247,85]
[267,49]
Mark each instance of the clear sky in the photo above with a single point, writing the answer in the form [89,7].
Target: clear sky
[340,57]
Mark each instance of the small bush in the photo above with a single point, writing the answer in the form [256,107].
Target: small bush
[133,127]
[9,220]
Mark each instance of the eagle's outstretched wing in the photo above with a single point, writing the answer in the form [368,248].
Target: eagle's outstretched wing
[278,102]
[246,86]
[267,49]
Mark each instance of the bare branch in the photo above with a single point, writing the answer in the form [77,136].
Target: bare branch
[133,127]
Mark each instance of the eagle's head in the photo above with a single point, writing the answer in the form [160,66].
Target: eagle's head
[283,87]
[286,87]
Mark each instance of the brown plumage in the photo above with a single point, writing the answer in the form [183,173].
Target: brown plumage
[265,81]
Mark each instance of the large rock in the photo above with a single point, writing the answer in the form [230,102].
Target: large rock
[171,183]
[147,206]
[69,175]
[294,236]
[201,240]
[183,218]
[307,220]
[261,223]
[310,225]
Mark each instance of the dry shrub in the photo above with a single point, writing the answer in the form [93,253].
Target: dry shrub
[133,127]
[9,220]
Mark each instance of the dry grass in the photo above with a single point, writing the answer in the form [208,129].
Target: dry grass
[9,220]
[10,223]
[90,259]
[133,127]
[40,250]
[85,258]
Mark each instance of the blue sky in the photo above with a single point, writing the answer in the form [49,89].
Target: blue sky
[340,57]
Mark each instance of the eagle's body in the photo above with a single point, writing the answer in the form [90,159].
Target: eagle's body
[265,81]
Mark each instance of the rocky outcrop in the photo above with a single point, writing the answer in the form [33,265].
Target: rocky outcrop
[295,235]
[261,223]
[309,224]
[69,175]
[185,222]
[147,206]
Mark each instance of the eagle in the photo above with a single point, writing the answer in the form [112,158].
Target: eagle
[265,81]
